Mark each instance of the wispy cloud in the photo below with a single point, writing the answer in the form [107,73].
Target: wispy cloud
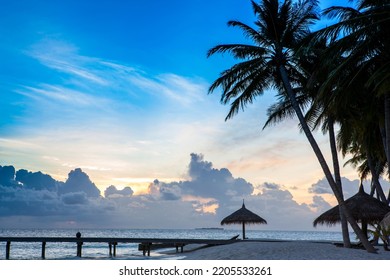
[98,76]
[64,57]
[105,115]
[63,95]
[120,121]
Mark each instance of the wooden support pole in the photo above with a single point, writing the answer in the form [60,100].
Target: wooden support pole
[79,247]
[115,243]
[146,248]
[7,250]
[43,249]
[110,246]
[177,245]
[79,244]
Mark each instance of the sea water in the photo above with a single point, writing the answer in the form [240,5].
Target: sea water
[54,250]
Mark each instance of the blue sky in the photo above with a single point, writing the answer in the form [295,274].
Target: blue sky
[119,89]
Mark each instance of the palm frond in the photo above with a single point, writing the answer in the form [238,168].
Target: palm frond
[249,32]
[236,73]
[247,91]
[240,51]
[283,109]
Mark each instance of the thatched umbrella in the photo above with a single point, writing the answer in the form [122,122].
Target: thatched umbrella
[385,223]
[363,207]
[243,216]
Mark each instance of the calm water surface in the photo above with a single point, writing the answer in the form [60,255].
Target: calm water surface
[130,251]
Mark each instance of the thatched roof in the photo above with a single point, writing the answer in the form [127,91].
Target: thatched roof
[363,207]
[243,215]
[385,223]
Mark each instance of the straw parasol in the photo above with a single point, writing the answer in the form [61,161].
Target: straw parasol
[385,223]
[363,207]
[243,216]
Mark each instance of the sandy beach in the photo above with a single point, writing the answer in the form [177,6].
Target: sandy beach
[283,250]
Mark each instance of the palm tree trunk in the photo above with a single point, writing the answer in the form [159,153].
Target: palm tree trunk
[387,130]
[287,85]
[375,179]
[388,197]
[383,135]
[336,168]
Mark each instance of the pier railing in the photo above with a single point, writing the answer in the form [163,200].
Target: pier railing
[145,244]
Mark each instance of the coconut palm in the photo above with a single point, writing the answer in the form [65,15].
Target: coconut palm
[320,110]
[359,113]
[361,138]
[363,38]
[270,62]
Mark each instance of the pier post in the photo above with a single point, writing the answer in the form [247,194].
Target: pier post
[177,245]
[110,245]
[146,248]
[115,243]
[43,249]
[79,245]
[7,250]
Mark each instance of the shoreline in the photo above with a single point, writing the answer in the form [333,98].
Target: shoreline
[282,250]
[249,249]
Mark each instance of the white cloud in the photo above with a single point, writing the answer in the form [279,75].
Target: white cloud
[64,95]
[203,200]
[117,116]
[127,126]
[64,57]
[320,204]
[350,187]
[73,198]
[88,74]
[113,192]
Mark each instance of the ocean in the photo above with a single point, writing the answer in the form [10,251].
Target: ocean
[31,251]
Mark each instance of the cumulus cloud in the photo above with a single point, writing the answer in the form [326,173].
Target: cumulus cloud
[20,201]
[207,189]
[270,186]
[207,181]
[78,181]
[320,204]
[112,192]
[170,191]
[350,187]
[320,187]
[36,194]
[36,180]
[209,195]
[7,176]
[74,198]
[165,191]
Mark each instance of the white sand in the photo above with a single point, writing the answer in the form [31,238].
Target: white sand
[283,250]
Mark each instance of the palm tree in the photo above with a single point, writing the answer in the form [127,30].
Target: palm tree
[360,136]
[269,63]
[320,110]
[363,38]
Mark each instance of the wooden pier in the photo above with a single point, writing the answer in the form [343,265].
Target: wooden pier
[144,244]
